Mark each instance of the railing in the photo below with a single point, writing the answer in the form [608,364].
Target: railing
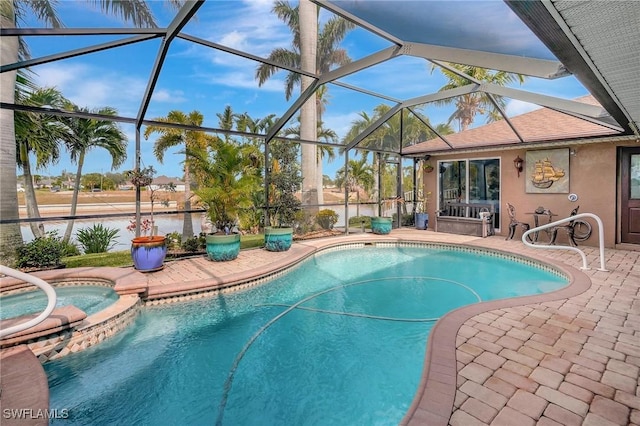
[45,286]
[408,196]
[575,249]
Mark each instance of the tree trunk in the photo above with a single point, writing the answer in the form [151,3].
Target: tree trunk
[10,236]
[30,194]
[308,16]
[320,178]
[187,224]
[74,198]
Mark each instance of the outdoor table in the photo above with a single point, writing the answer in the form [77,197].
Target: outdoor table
[536,220]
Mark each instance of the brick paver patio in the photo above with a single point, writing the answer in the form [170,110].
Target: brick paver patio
[569,358]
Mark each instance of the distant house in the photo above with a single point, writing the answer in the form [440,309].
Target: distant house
[157,183]
[44,183]
[162,180]
[128,186]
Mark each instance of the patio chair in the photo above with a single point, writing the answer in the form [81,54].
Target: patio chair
[514,223]
[568,227]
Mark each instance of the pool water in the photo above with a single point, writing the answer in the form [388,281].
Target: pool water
[340,339]
[90,299]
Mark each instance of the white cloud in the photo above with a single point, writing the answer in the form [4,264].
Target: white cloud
[58,76]
[340,123]
[516,107]
[234,39]
[242,80]
[89,86]
[171,96]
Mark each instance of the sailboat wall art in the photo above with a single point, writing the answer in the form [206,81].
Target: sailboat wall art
[547,171]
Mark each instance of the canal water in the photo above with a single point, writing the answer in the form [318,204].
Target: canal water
[165,223]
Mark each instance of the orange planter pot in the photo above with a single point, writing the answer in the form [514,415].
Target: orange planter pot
[148,253]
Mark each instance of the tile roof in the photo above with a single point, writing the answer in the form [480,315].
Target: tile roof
[540,125]
[165,180]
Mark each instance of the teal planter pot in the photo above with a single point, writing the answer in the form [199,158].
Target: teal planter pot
[221,248]
[148,253]
[381,225]
[422,220]
[278,239]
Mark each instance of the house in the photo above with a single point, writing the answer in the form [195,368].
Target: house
[161,182]
[582,162]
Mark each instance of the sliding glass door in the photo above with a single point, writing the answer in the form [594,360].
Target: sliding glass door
[470,181]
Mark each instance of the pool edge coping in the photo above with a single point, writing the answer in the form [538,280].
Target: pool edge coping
[439,375]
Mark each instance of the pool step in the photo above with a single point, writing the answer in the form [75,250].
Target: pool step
[24,388]
[61,319]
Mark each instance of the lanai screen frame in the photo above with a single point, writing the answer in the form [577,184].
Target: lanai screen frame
[543,68]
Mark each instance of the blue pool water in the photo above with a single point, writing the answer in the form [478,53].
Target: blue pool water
[339,340]
[90,299]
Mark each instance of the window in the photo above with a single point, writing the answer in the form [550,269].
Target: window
[470,181]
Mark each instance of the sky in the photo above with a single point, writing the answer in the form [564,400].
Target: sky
[198,78]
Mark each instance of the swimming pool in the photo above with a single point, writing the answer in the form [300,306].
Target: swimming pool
[89,298]
[338,340]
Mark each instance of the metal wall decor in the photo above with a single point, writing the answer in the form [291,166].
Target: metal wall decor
[547,171]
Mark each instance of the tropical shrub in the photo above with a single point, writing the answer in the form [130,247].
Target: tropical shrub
[358,220]
[69,249]
[42,252]
[191,244]
[174,240]
[304,222]
[226,178]
[327,218]
[251,218]
[97,238]
[285,180]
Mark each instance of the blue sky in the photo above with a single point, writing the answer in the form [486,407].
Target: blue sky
[203,79]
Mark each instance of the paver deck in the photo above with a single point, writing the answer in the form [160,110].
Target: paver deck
[571,357]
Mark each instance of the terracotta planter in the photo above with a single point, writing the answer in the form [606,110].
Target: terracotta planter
[381,225]
[278,239]
[221,248]
[148,253]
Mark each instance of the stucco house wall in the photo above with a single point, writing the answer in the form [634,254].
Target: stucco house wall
[593,174]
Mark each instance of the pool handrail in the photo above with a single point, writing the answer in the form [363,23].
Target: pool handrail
[43,285]
[575,249]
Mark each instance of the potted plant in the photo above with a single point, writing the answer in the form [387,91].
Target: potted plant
[284,181]
[382,224]
[427,167]
[148,251]
[226,176]
[422,217]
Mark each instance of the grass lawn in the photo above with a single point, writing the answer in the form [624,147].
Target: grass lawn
[123,258]
[112,258]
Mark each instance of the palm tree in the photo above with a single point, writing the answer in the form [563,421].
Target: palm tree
[391,135]
[467,106]
[226,178]
[38,134]
[312,52]
[324,134]
[245,123]
[13,49]
[86,134]
[358,176]
[226,120]
[171,137]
